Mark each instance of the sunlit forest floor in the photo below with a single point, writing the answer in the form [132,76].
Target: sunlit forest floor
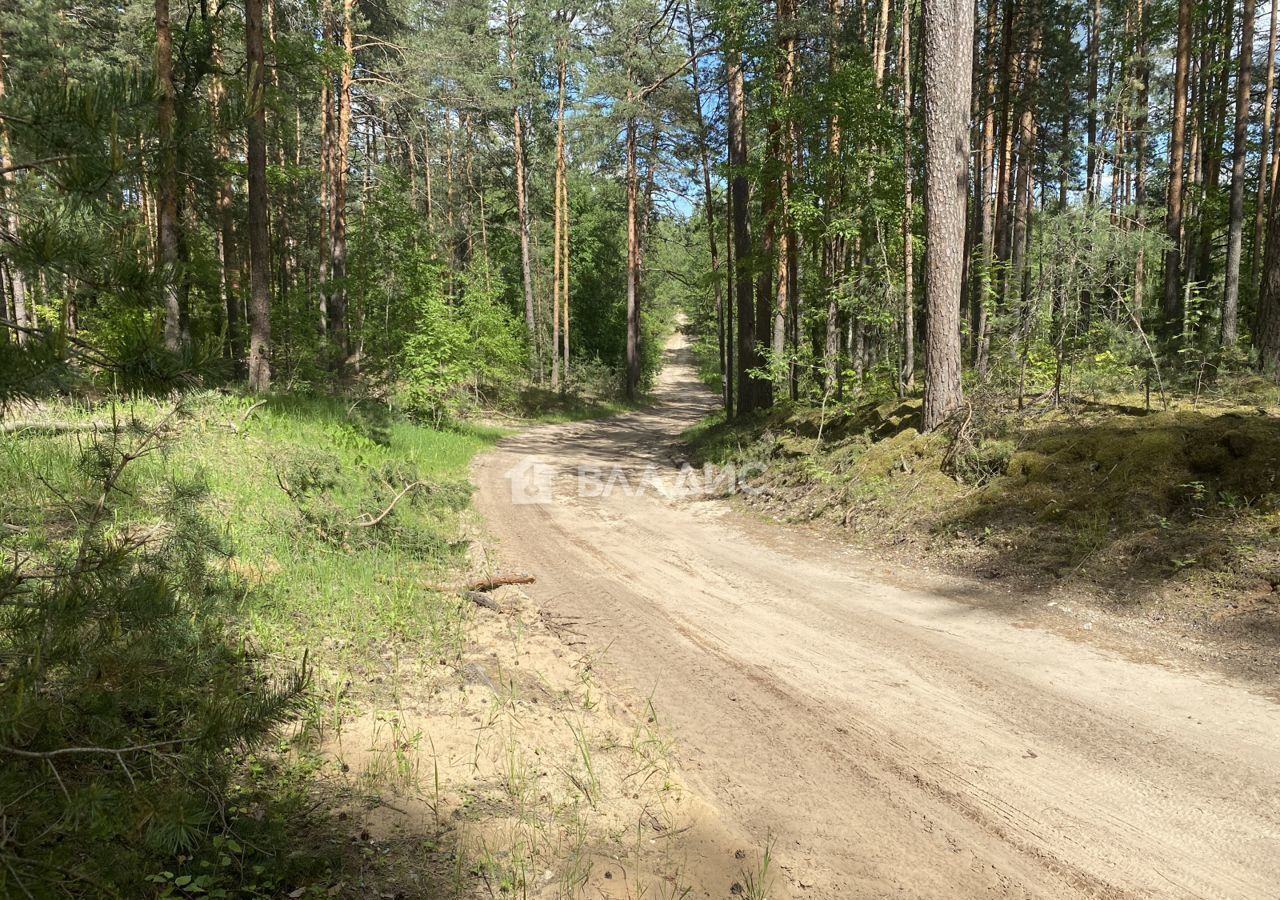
[1163,523]
[445,749]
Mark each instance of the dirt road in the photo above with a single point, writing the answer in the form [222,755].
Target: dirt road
[893,741]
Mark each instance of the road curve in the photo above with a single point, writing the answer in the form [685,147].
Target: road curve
[893,741]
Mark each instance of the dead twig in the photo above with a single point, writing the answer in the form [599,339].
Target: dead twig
[364,521]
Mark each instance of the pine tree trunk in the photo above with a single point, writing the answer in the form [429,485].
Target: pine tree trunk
[781,142]
[1267,333]
[558,226]
[1267,148]
[948,62]
[633,261]
[907,380]
[167,180]
[704,162]
[1235,224]
[985,200]
[1140,155]
[259,245]
[1018,269]
[339,326]
[1171,306]
[223,206]
[833,245]
[748,355]
[1091,133]
[16,279]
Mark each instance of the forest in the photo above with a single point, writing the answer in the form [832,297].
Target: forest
[352,241]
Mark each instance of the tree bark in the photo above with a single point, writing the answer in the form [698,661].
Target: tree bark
[167,180]
[740,196]
[16,279]
[948,62]
[223,204]
[339,326]
[633,261]
[1260,207]
[1235,223]
[522,196]
[1140,154]
[1171,306]
[557,231]
[985,200]
[907,379]
[704,162]
[1093,174]
[833,244]
[259,244]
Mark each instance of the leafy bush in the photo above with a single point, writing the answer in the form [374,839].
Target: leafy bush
[457,349]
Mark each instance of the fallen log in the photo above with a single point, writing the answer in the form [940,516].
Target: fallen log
[496,581]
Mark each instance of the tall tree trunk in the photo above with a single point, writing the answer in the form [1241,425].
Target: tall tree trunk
[167,180]
[833,244]
[16,279]
[223,204]
[748,353]
[880,60]
[1267,333]
[564,255]
[1018,267]
[704,162]
[339,326]
[633,260]
[327,128]
[1140,155]
[1171,306]
[907,379]
[985,201]
[948,74]
[1235,224]
[259,244]
[1093,174]
[522,196]
[559,224]
[1260,208]
[781,143]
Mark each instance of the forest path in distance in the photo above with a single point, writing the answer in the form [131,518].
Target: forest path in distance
[892,741]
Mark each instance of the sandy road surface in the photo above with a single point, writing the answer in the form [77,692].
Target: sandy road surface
[895,742]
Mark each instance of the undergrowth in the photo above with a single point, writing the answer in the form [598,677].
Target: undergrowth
[180,580]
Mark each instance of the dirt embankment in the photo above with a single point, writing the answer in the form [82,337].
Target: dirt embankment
[1162,526]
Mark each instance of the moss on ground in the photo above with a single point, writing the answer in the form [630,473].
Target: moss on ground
[1176,510]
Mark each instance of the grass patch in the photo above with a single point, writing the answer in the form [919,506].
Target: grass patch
[245,535]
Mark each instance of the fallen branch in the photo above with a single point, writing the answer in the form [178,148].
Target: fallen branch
[365,522]
[247,413]
[59,427]
[108,751]
[480,599]
[495,581]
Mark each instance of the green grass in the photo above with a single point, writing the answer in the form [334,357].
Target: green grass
[316,579]
[289,486]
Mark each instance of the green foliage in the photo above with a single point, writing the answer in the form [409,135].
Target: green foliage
[456,351]
[126,699]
